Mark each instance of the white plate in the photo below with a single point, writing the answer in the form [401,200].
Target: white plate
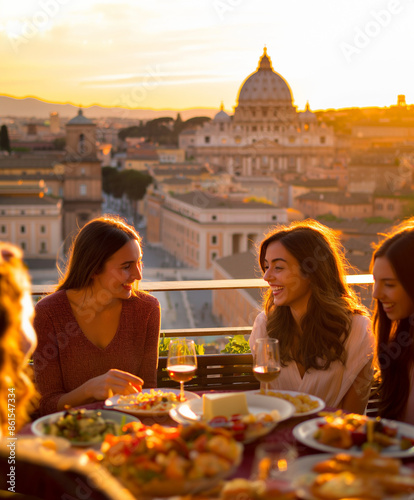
[113,403]
[301,475]
[119,417]
[305,431]
[257,403]
[320,407]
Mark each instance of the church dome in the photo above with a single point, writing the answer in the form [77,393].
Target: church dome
[265,84]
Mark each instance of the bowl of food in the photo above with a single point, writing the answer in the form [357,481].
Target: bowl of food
[165,461]
[82,427]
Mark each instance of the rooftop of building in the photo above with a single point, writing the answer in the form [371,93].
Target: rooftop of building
[337,197]
[27,200]
[208,201]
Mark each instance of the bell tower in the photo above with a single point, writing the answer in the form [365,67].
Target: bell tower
[82,188]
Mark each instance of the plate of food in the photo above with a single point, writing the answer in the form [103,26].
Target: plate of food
[353,433]
[82,427]
[149,402]
[159,461]
[305,404]
[247,416]
[368,476]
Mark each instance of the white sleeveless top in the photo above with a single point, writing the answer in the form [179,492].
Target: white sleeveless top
[330,385]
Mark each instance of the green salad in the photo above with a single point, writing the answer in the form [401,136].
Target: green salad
[83,426]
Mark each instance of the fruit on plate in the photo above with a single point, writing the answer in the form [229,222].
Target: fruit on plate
[165,461]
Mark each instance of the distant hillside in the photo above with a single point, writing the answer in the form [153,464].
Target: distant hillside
[30,107]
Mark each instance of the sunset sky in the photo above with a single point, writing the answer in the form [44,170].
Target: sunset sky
[181,54]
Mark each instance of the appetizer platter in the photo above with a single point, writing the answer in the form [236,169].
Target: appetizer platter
[149,402]
[164,461]
[305,404]
[333,477]
[353,433]
[82,427]
[247,416]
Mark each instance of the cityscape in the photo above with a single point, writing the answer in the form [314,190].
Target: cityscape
[203,183]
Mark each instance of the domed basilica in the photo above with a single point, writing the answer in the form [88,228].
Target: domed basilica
[266,135]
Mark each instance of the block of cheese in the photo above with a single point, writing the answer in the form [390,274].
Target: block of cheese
[224,405]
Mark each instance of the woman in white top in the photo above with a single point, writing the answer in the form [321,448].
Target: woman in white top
[393,269]
[326,345]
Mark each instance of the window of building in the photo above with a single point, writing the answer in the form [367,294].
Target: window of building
[42,229]
[322,139]
[214,217]
[43,247]
[213,255]
[274,217]
[291,139]
[237,139]
[214,240]
[3,229]
[83,190]
[22,229]
[83,171]
[379,206]
[221,127]
[223,140]
[207,139]
[23,245]
[306,126]
[390,206]
[254,128]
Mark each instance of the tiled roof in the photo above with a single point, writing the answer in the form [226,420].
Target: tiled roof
[337,198]
[27,200]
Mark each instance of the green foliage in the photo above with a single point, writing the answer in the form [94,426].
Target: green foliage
[164,130]
[329,218]
[237,345]
[377,220]
[164,342]
[131,182]
[4,139]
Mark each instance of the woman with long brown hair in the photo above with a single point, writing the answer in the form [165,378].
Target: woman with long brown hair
[17,339]
[97,333]
[326,346]
[393,270]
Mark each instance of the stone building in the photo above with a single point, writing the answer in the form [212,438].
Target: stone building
[266,134]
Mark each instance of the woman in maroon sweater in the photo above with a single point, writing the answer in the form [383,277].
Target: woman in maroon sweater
[97,333]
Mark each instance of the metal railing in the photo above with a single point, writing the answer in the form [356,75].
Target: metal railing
[232,284]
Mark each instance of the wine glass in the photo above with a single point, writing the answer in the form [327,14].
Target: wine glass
[181,362]
[266,361]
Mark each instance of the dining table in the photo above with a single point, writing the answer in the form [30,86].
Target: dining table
[282,433]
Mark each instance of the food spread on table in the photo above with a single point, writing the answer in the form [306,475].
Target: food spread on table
[243,489]
[165,461]
[302,402]
[81,426]
[230,411]
[370,476]
[344,431]
[154,401]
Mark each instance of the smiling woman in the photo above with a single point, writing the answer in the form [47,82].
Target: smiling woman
[326,346]
[393,270]
[97,334]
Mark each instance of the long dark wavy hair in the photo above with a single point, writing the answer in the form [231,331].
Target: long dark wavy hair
[94,244]
[327,322]
[395,339]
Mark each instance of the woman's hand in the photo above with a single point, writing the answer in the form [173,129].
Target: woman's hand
[113,382]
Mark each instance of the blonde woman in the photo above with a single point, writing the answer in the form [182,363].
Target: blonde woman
[17,338]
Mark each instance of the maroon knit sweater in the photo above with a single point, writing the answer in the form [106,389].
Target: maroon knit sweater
[65,358]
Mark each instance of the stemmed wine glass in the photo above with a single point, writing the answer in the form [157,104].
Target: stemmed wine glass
[266,361]
[181,362]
